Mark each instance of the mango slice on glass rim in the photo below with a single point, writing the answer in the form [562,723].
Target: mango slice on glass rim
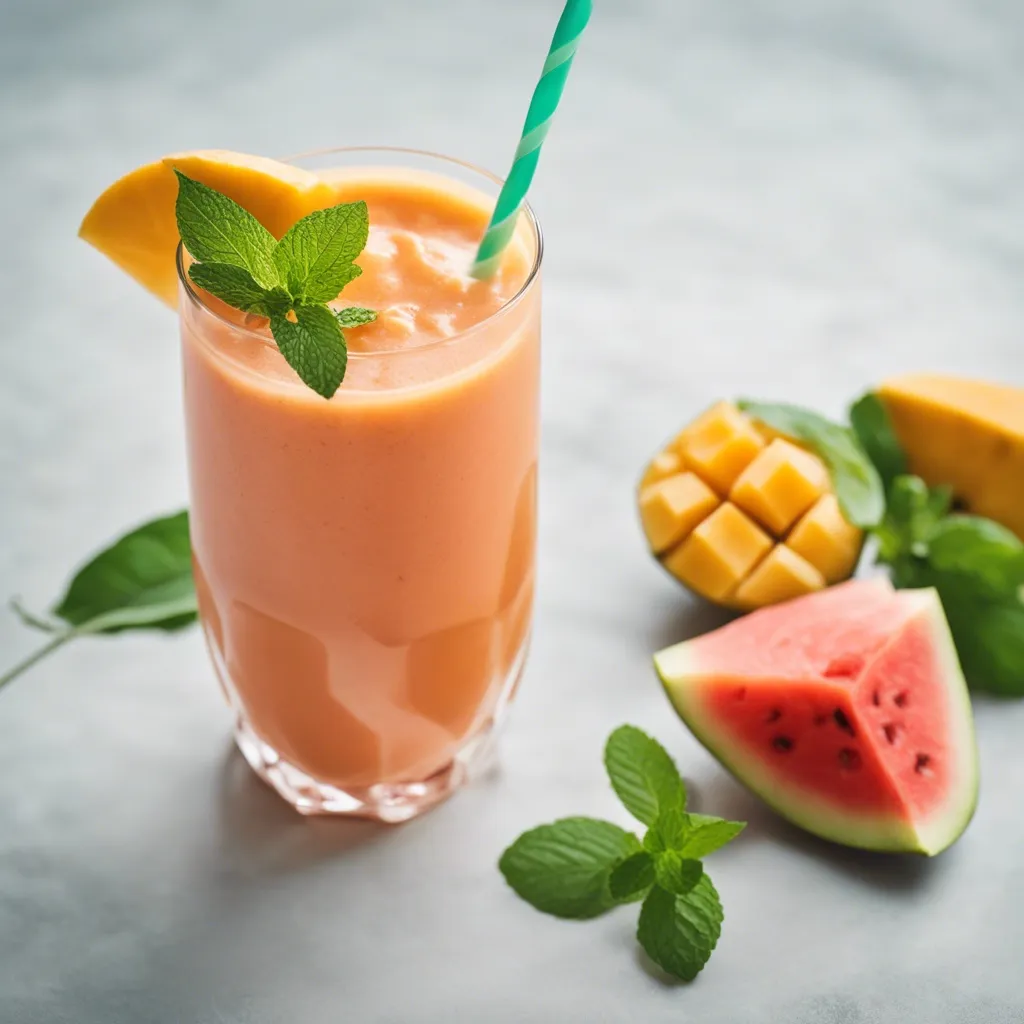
[133,221]
[742,516]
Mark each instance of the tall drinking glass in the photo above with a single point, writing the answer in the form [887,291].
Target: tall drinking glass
[365,564]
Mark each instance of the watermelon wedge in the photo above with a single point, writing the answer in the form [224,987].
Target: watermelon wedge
[845,710]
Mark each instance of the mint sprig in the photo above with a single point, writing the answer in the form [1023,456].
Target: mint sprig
[582,867]
[142,581]
[288,281]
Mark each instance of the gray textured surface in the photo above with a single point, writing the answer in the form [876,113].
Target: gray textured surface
[782,199]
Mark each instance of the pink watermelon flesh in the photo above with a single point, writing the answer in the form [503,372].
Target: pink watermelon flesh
[846,710]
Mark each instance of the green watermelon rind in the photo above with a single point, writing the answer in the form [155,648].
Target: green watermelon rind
[886,833]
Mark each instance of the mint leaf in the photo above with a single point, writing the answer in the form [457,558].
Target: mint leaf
[216,229]
[679,933]
[705,834]
[677,874]
[668,831]
[313,347]
[315,257]
[564,868]
[857,484]
[354,316]
[142,581]
[631,879]
[232,285]
[870,421]
[914,511]
[642,774]
[989,553]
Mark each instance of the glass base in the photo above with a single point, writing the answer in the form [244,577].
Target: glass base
[390,802]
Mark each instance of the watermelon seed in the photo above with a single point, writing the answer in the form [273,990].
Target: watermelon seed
[923,764]
[843,722]
[783,744]
[901,699]
[773,716]
[892,731]
[850,759]
[876,698]
[820,719]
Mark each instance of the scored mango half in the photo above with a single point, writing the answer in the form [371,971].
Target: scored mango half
[742,516]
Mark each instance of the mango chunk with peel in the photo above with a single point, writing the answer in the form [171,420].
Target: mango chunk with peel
[671,508]
[720,445]
[719,553]
[780,576]
[826,540]
[663,465]
[743,516]
[133,221]
[780,485]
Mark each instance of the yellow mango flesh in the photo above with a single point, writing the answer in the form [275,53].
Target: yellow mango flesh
[744,517]
[133,221]
[967,434]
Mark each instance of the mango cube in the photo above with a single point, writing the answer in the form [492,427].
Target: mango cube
[782,483]
[780,576]
[719,445]
[826,540]
[719,553]
[671,508]
[664,464]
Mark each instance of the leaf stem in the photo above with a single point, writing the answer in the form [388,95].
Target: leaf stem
[23,666]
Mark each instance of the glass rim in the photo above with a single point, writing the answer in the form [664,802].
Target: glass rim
[196,299]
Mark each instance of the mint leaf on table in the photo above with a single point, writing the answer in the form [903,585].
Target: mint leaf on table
[855,479]
[215,229]
[314,347]
[642,774]
[564,868]
[870,421]
[315,257]
[991,554]
[679,933]
[354,316]
[582,867]
[288,281]
[142,581]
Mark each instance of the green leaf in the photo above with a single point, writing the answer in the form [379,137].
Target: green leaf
[857,484]
[143,580]
[668,832]
[870,421]
[677,874]
[989,553]
[631,879]
[679,933]
[564,868]
[315,257]
[642,774]
[705,834]
[354,316]
[914,511]
[313,347]
[232,285]
[216,229]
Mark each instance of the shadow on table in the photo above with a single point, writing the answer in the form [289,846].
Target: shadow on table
[721,795]
[683,620]
[261,834]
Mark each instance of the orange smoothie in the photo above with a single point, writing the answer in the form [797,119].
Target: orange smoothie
[365,564]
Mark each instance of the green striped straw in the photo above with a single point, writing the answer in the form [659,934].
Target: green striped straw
[538,120]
